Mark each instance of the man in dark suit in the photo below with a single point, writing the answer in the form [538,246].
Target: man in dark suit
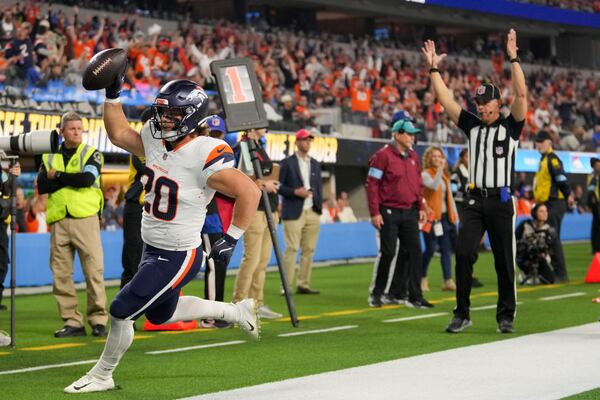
[302,192]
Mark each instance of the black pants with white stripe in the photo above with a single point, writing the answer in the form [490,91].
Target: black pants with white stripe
[489,214]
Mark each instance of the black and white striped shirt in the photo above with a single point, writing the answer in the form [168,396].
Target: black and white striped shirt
[492,149]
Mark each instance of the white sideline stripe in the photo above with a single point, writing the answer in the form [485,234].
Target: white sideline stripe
[439,314]
[489,307]
[42,367]
[204,346]
[562,296]
[570,367]
[336,328]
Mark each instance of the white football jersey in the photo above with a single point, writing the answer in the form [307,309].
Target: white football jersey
[176,189]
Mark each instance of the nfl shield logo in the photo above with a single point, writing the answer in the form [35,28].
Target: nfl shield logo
[481,90]
[499,150]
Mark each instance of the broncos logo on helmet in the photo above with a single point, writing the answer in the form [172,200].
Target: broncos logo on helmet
[179,108]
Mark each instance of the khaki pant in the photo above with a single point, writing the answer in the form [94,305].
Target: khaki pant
[300,233]
[250,280]
[83,235]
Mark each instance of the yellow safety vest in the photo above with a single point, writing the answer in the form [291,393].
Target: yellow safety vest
[544,187]
[78,202]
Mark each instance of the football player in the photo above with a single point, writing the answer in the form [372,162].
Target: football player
[183,171]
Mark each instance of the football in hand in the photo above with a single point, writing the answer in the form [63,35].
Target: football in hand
[103,69]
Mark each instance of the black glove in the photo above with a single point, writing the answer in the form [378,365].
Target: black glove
[114,90]
[223,249]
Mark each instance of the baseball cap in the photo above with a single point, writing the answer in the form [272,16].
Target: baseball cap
[542,135]
[45,23]
[216,123]
[304,134]
[593,161]
[487,92]
[401,115]
[405,126]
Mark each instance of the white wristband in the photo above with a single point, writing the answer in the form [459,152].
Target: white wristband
[235,232]
[112,101]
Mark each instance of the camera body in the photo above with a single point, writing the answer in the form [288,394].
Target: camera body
[535,246]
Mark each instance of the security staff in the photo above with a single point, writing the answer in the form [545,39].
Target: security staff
[493,141]
[593,202]
[550,186]
[75,201]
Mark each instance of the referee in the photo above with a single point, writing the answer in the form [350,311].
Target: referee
[493,141]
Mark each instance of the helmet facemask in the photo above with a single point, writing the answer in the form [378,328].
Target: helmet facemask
[170,123]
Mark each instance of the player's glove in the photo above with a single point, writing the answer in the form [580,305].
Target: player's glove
[114,90]
[223,249]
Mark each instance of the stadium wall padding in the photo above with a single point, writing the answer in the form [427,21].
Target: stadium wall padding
[336,242]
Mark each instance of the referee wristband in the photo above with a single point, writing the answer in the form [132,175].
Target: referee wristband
[432,70]
[515,60]
[235,232]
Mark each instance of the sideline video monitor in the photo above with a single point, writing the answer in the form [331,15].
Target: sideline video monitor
[240,94]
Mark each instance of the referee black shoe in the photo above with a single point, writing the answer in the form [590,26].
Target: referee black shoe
[505,326]
[458,325]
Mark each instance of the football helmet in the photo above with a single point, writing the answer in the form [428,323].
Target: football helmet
[179,108]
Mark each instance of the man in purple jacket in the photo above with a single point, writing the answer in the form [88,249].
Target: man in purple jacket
[394,191]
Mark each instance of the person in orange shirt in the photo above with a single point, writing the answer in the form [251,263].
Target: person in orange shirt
[361,102]
[84,42]
[525,203]
[438,196]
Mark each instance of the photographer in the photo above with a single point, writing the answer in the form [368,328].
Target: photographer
[5,185]
[535,241]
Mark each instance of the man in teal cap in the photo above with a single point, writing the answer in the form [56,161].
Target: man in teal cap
[394,191]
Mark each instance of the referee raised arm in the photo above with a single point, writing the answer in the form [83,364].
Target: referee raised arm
[493,141]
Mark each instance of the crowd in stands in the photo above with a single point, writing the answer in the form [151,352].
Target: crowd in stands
[300,73]
[590,6]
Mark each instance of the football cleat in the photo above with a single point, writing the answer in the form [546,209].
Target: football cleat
[249,319]
[88,384]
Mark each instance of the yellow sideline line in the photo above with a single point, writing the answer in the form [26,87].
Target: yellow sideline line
[4,353]
[346,312]
[54,346]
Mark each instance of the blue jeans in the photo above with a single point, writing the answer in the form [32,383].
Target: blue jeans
[445,243]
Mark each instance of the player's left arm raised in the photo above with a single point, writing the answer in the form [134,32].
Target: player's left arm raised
[233,183]
[519,105]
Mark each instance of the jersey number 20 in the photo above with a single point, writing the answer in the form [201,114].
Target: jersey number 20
[161,184]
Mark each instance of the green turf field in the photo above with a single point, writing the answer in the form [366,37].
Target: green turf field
[342,302]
